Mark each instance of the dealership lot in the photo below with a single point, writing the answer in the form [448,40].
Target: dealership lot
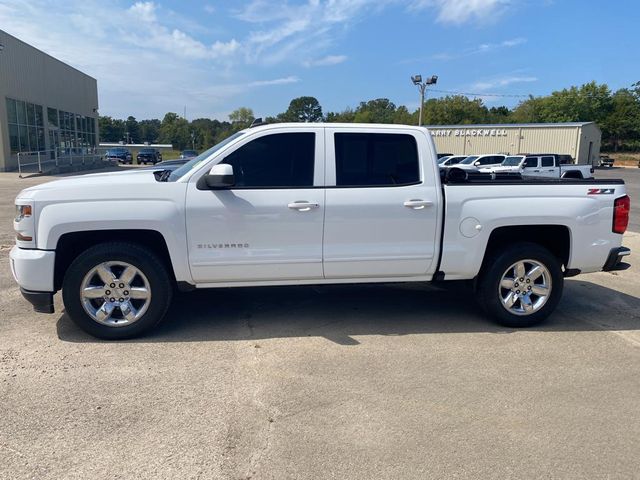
[375,381]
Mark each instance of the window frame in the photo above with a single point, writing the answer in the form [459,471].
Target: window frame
[220,156]
[422,146]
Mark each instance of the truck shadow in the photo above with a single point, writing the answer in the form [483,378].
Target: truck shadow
[340,313]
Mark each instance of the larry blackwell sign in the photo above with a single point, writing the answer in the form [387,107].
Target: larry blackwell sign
[469,132]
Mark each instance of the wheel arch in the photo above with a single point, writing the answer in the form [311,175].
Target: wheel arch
[555,238]
[72,244]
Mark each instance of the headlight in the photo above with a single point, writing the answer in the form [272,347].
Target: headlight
[22,211]
[23,225]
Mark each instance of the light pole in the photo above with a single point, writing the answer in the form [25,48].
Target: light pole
[422,86]
[193,140]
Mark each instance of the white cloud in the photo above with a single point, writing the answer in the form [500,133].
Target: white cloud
[277,81]
[457,12]
[145,11]
[325,61]
[479,49]
[502,82]
[209,9]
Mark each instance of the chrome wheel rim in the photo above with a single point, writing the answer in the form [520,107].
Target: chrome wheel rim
[525,287]
[115,294]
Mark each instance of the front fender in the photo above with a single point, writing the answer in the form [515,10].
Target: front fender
[163,216]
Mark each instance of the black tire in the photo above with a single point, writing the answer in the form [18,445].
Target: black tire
[146,262]
[488,293]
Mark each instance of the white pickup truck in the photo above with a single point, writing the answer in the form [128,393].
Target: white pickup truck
[292,204]
[540,166]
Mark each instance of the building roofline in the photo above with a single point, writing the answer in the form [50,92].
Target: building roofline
[512,125]
[42,52]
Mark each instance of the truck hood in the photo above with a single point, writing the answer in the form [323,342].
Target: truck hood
[98,183]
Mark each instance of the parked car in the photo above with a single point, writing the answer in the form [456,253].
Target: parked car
[481,161]
[451,160]
[149,155]
[186,154]
[122,155]
[541,166]
[171,163]
[606,161]
[299,216]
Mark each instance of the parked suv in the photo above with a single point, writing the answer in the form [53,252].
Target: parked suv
[123,155]
[149,155]
[482,161]
[188,154]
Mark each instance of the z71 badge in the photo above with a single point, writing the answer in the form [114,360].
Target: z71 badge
[601,191]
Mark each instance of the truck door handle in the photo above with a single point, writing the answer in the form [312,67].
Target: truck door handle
[417,204]
[303,206]
[536,170]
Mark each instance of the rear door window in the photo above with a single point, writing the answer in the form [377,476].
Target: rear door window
[547,161]
[376,160]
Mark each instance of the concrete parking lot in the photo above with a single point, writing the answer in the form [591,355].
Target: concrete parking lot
[332,382]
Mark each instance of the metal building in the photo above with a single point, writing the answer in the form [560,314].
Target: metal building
[580,140]
[46,106]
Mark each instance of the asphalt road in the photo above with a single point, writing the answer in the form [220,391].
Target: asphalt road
[332,382]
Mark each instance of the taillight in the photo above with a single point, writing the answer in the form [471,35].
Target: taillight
[621,208]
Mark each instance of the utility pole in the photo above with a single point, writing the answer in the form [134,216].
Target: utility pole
[422,86]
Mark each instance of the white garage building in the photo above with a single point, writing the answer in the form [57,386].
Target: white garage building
[581,140]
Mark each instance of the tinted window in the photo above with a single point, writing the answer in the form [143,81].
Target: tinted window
[277,160]
[531,162]
[547,161]
[376,159]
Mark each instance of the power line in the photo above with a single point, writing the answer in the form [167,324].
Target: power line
[468,94]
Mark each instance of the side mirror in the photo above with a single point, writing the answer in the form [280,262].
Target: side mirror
[220,176]
[477,163]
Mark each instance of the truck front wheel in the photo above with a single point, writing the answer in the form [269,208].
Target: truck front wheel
[116,290]
[520,285]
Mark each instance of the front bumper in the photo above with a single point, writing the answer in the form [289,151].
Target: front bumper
[33,269]
[614,260]
[42,301]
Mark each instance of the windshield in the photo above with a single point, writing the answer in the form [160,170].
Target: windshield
[512,161]
[469,160]
[442,160]
[196,161]
[147,150]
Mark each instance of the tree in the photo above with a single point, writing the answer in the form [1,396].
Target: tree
[111,130]
[149,130]
[175,130]
[346,116]
[241,117]
[132,130]
[380,110]
[623,122]
[454,110]
[302,109]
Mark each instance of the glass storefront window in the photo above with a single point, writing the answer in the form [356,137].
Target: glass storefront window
[22,113]
[23,132]
[13,139]
[12,113]
[52,116]
[39,117]
[31,114]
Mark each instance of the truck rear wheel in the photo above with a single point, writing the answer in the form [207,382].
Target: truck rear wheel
[116,290]
[521,285]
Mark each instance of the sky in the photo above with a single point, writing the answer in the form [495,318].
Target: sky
[213,56]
